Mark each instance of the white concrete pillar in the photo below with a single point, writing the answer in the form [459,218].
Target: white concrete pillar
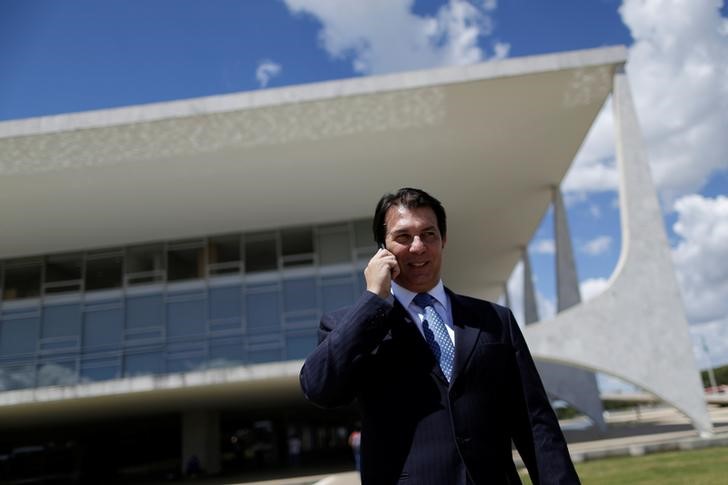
[636,329]
[530,307]
[201,440]
[576,386]
[567,281]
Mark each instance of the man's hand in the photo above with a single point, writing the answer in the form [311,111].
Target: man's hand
[380,271]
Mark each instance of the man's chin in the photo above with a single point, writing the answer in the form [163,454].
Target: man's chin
[417,285]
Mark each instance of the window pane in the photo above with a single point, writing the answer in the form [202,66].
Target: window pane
[60,373]
[260,254]
[100,369]
[299,346]
[363,237]
[185,364]
[145,264]
[143,364]
[261,356]
[61,321]
[298,240]
[337,294]
[300,294]
[334,246]
[225,302]
[63,268]
[103,328]
[19,336]
[17,377]
[104,272]
[226,353]
[224,249]
[185,264]
[263,311]
[186,318]
[22,281]
[144,311]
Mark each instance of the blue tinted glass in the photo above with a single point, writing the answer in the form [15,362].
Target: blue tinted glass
[337,295]
[261,356]
[300,294]
[299,346]
[19,336]
[17,377]
[225,302]
[361,284]
[226,353]
[263,311]
[59,373]
[144,311]
[102,328]
[100,372]
[61,321]
[186,318]
[185,364]
[142,364]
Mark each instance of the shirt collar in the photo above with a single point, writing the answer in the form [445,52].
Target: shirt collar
[405,296]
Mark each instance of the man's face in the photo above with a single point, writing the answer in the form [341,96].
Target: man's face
[414,239]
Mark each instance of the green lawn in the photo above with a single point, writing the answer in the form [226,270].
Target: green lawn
[696,467]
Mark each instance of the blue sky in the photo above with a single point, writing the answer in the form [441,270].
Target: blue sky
[67,56]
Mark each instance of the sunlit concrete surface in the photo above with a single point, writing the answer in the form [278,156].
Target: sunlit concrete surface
[635,330]
[507,132]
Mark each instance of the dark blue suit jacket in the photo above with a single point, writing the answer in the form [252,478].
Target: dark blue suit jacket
[417,429]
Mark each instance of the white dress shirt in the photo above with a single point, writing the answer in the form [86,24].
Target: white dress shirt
[442,306]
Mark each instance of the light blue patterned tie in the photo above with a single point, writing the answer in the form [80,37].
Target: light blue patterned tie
[436,334]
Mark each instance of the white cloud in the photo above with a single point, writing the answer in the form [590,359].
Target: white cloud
[597,246]
[679,80]
[546,306]
[595,211]
[382,36]
[594,168]
[714,336]
[701,256]
[592,287]
[543,246]
[490,4]
[267,70]
[678,71]
[501,50]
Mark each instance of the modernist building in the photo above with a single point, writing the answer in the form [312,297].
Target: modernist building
[163,267]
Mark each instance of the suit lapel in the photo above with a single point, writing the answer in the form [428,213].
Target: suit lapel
[467,331]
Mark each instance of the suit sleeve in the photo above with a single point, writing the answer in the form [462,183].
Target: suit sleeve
[536,431]
[331,373]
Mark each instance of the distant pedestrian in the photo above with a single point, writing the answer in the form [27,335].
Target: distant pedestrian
[294,450]
[355,443]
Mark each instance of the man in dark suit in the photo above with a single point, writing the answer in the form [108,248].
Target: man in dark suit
[445,382]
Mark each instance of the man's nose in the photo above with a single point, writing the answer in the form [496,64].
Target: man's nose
[417,245]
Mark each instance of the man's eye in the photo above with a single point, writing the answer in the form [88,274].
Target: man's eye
[429,236]
[403,239]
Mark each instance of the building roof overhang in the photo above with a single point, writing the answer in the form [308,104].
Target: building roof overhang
[489,140]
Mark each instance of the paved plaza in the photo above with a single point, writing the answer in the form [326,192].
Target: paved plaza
[631,433]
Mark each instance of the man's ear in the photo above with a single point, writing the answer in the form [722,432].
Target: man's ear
[444,240]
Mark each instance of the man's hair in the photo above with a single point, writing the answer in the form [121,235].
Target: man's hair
[408,198]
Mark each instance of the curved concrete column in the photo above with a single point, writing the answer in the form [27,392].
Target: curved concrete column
[635,330]
[576,386]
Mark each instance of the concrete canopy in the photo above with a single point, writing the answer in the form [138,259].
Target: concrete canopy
[489,140]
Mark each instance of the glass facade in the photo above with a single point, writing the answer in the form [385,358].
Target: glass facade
[175,306]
